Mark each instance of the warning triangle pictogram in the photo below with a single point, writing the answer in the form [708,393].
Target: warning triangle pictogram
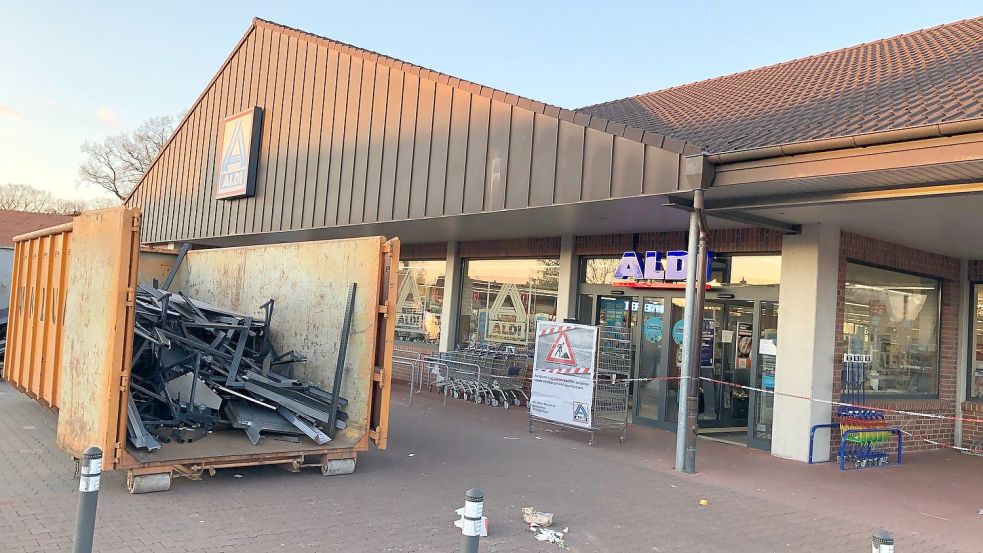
[560,351]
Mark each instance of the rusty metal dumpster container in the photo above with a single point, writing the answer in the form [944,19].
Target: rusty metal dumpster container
[80,366]
[37,306]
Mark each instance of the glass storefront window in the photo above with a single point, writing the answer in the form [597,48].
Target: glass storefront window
[894,318]
[976,360]
[753,269]
[419,301]
[598,270]
[728,270]
[502,299]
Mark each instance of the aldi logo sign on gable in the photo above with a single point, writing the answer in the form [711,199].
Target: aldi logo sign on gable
[657,269]
[235,175]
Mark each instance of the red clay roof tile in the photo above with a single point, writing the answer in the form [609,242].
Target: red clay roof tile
[15,223]
[922,78]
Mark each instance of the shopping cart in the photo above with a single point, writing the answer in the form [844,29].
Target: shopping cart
[481,374]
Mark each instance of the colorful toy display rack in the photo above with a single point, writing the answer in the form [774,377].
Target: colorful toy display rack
[864,432]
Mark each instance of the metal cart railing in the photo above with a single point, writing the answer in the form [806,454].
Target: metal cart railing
[481,375]
[408,367]
[610,409]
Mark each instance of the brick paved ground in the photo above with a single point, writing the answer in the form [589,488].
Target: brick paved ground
[614,497]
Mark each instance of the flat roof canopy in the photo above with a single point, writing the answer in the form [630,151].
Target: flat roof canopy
[926,194]
[624,215]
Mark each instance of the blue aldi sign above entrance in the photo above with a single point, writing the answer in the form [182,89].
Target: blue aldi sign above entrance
[235,174]
[658,270]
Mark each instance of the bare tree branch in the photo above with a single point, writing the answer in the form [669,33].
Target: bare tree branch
[119,162]
[24,197]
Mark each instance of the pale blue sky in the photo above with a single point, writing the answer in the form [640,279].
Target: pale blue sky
[71,71]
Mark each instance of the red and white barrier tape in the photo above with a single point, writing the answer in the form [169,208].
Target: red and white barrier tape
[837,404]
[580,370]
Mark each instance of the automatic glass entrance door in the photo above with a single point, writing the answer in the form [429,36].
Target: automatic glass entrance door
[641,337]
[633,344]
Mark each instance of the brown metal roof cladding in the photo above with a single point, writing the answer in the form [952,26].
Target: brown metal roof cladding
[927,77]
[15,223]
[652,138]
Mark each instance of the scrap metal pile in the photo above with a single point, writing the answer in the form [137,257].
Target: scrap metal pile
[199,368]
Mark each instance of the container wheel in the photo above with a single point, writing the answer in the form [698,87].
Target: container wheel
[505,404]
[148,483]
[518,402]
[494,402]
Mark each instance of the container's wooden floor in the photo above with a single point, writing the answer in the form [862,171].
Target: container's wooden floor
[228,443]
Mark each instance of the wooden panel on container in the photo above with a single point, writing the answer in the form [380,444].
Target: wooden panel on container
[543,176]
[308,315]
[98,331]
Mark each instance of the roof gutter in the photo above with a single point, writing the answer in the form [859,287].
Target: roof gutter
[855,141]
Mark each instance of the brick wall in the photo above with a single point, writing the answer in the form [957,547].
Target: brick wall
[423,252]
[973,429]
[522,247]
[878,252]
[976,271]
[743,240]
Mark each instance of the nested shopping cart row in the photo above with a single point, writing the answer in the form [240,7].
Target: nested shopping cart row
[481,375]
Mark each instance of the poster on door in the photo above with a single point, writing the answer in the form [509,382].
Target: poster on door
[706,343]
[563,373]
[742,350]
